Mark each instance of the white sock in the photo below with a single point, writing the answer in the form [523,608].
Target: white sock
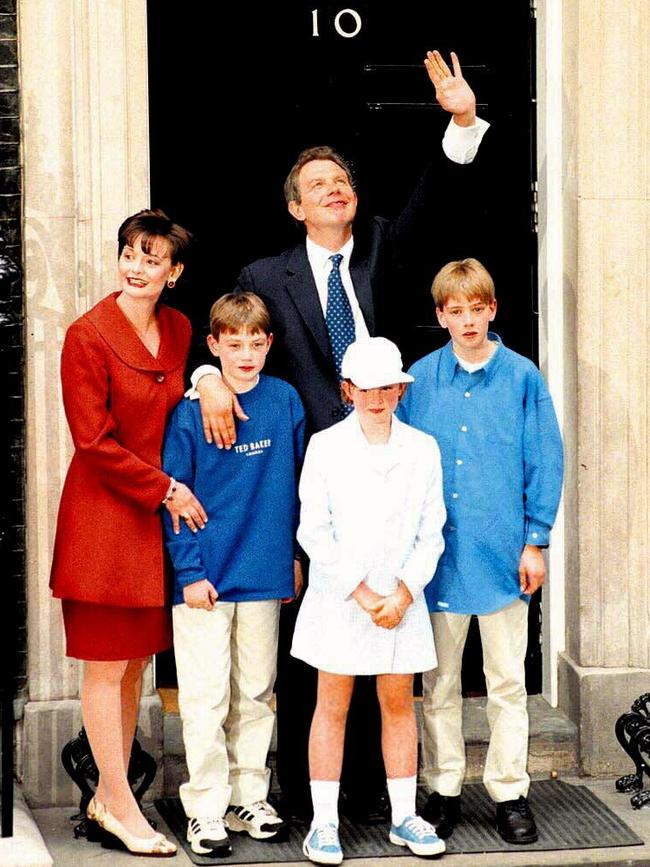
[402,791]
[325,800]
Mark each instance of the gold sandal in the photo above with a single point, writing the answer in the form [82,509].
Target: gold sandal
[157,846]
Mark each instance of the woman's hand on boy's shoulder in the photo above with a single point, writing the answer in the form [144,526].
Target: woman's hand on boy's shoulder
[200,594]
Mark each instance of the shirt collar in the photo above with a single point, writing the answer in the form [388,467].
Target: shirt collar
[449,363]
[397,441]
[319,257]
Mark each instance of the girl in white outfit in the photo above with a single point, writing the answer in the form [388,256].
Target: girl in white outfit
[371,522]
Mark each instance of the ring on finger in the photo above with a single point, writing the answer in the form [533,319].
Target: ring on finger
[185,516]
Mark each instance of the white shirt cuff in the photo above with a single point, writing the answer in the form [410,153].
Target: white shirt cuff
[461,143]
[202,370]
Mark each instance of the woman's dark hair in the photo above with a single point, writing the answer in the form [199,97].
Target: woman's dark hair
[149,225]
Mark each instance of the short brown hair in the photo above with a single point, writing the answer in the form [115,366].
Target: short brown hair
[322,152]
[465,277]
[149,225]
[237,311]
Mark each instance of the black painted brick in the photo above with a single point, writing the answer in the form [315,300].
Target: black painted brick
[10,205]
[9,128]
[9,180]
[8,53]
[9,78]
[9,154]
[8,103]
[7,27]
[12,341]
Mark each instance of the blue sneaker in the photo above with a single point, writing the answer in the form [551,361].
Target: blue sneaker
[322,845]
[418,835]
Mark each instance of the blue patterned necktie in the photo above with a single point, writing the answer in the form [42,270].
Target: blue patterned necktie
[338,314]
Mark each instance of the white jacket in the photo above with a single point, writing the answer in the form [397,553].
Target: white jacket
[372,513]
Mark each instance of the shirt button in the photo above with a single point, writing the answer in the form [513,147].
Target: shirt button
[463,428]
[160,377]
[535,535]
[468,394]
[459,462]
[454,495]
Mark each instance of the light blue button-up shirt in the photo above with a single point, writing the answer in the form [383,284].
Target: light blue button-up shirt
[502,470]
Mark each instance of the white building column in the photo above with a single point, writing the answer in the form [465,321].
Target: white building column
[86,166]
[606,298]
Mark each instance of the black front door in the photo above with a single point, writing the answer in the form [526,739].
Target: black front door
[237,90]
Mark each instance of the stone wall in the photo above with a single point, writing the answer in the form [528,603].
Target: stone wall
[84,110]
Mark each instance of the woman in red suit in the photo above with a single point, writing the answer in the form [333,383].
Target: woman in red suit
[122,374]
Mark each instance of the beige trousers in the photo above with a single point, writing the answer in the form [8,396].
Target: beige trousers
[226,662]
[504,637]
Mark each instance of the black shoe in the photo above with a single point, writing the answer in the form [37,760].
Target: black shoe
[515,822]
[369,811]
[443,812]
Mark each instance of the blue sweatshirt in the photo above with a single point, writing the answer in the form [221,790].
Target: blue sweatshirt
[249,493]
[502,471]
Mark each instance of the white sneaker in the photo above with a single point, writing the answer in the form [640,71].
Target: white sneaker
[259,820]
[207,836]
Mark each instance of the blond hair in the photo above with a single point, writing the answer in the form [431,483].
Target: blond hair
[464,277]
[239,311]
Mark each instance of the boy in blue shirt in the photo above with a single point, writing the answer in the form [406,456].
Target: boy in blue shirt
[230,579]
[493,418]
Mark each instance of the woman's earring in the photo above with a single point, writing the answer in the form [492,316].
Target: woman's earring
[171,284]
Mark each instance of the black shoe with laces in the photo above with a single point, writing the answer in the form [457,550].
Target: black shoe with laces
[443,812]
[515,821]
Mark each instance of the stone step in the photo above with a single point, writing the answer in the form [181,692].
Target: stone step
[552,745]
[552,750]
[25,848]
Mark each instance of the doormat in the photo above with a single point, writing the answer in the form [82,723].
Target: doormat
[567,816]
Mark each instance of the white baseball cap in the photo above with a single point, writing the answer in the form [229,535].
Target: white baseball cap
[372,362]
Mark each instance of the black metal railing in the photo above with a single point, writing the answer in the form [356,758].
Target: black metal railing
[11,339]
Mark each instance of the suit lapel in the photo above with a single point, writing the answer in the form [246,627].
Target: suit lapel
[360,269]
[301,287]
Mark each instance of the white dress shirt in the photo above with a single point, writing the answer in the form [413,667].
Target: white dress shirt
[320,262]
[460,143]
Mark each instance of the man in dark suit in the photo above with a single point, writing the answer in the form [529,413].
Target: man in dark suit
[295,286]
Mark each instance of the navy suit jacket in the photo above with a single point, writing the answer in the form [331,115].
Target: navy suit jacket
[301,352]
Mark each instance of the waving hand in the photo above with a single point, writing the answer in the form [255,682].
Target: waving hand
[452,91]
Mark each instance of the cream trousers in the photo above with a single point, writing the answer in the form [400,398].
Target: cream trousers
[504,637]
[226,664]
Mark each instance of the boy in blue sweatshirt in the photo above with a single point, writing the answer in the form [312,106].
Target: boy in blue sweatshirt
[230,579]
[493,418]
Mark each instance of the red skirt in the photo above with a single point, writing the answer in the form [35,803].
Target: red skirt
[111,633]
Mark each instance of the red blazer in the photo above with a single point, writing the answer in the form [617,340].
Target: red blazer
[117,398]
